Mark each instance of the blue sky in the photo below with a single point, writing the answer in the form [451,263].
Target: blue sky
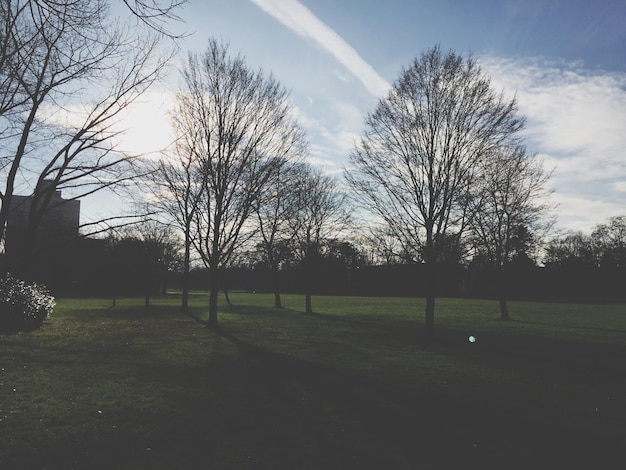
[564,59]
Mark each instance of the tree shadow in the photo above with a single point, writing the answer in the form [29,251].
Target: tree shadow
[250,406]
[417,422]
[575,327]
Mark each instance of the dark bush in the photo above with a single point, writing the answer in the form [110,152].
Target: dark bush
[23,306]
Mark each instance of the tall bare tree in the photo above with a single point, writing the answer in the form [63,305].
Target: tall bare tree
[175,184]
[320,214]
[510,195]
[416,158]
[274,209]
[241,128]
[67,71]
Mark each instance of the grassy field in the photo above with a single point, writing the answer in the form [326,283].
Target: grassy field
[357,385]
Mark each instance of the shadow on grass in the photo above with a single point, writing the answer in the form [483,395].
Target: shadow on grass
[555,359]
[406,424]
[348,420]
[152,393]
[569,326]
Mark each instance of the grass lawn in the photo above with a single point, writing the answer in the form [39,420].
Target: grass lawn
[357,385]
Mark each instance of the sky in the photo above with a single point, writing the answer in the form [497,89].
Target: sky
[563,60]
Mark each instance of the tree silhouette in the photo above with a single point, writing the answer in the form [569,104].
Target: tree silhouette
[274,209]
[320,214]
[509,209]
[414,164]
[238,127]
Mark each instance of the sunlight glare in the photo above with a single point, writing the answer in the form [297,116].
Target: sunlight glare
[146,125]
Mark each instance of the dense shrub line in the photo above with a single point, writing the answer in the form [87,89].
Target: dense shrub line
[23,306]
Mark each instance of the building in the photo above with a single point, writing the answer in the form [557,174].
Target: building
[59,223]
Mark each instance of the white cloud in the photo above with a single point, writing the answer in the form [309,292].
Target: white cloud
[327,165]
[575,121]
[620,187]
[142,128]
[575,116]
[299,19]
[582,213]
[333,134]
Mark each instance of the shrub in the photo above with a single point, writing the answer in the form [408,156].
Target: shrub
[23,306]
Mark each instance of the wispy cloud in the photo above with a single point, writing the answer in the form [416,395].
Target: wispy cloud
[619,186]
[583,212]
[575,120]
[332,136]
[299,19]
[574,115]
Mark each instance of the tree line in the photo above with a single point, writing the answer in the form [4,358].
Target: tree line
[148,258]
[441,165]
[440,177]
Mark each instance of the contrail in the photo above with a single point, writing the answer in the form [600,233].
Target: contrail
[303,22]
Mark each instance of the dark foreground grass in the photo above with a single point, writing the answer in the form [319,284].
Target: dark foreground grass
[357,385]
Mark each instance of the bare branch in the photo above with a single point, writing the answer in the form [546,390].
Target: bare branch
[416,160]
[234,129]
[156,14]
[67,71]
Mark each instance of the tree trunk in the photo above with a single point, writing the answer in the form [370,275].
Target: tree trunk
[429,323]
[5,206]
[308,279]
[148,292]
[214,282]
[147,280]
[502,294]
[431,285]
[504,309]
[184,306]
[277,301]
[184,303]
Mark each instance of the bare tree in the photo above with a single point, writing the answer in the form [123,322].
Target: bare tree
[571,249]
[68,70]
[510,196]
[320,214]
[140,258]
[175,184]
[383,248]
[240,124]
[609,243]
[274,210]
[161,254]
[416,159]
